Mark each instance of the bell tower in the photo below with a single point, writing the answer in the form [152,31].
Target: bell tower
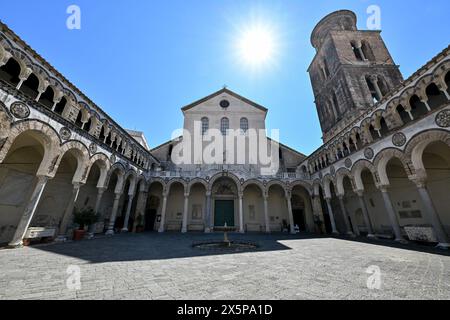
[351,71]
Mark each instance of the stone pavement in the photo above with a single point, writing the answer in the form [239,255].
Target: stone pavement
[165,266]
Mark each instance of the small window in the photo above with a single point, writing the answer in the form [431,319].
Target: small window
[224,126]
[244,125]
[205,126]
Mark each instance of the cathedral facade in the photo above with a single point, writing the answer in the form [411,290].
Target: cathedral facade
[383,170]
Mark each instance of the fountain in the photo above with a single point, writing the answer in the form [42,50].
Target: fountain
[226,244]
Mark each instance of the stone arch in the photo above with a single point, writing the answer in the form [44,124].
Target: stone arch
[357,170]
[406,95]
[225,175]
[195,181]
[255,182]
[340,175]
[382,159]
[104,165]
[42,76]
[51,143]
[326,185]
[120,169]
[303,184]
[142,182]
[421,86]
[132,176]
[23,60]
[441,70]
[276,183]
[157,181]
[177,180]
[70,96]
[416,146]
[81,153]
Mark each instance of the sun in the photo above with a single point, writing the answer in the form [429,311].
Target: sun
[256,45]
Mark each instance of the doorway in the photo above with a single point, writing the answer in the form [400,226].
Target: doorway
[224,213]
[299,219]
[150,217]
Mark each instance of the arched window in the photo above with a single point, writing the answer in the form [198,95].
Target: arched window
[357,51]
[224,126]
[244,125]
[10,72]
[373,90]
[436,97]
[205,125]
[336,105]
[60,106]
[30,86]
[47,97]
[367,51]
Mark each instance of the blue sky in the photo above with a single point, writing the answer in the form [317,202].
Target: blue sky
[142,60]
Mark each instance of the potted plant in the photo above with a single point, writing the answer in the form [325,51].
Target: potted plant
[139,224]
[83,218]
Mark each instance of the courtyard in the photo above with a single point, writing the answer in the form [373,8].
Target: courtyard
[166,266]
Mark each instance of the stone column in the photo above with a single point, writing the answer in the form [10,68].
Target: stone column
[208,212]
[331,214]
[112,220]
[318,212]
[40,92]
[98,202]
[185,213]
[163,214]
[346,216]
[29,211]
[241,213]
[366,216]
[69,212]
[374,80]
[432,215]
[128,212]
[266,212]
[140,207]
[291,216]
[392,215]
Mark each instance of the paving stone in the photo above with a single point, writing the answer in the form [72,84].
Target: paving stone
[165,266]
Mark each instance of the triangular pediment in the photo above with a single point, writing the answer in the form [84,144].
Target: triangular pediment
[224,92]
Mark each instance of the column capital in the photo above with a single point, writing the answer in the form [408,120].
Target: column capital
[340,196]
[101,189]
[420,182]
[77,184]
[241,195]
[186,194]
[117,196]
[43,178]
[359,192]
[384,187]
[373,78]
[208,193]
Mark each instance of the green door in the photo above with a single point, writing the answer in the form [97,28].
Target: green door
[224,213]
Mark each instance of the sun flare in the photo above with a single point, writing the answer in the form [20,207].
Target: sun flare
[256,45]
